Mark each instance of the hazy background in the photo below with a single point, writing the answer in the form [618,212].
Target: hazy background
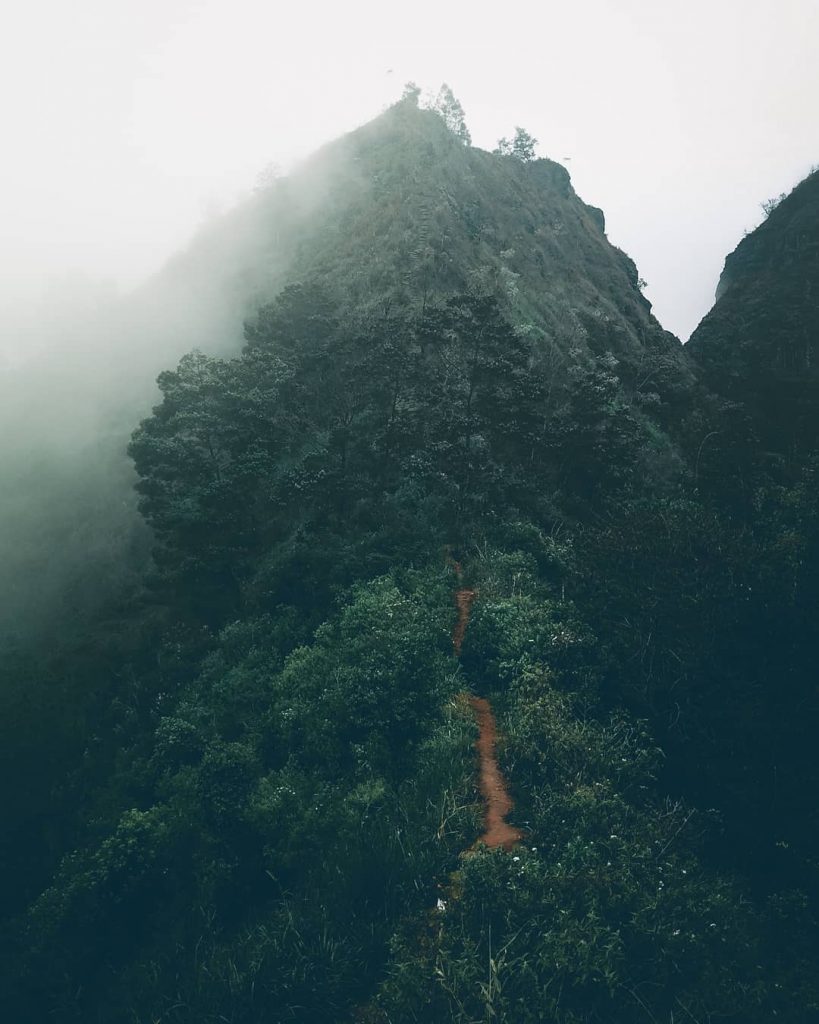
[125,123]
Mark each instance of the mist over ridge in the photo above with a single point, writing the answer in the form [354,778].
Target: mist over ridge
[399,624]
[393,213]
[91,371]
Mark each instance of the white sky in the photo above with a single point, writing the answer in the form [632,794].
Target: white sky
[123,121]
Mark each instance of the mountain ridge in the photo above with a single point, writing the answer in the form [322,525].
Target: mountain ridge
[237,787]
[759,344]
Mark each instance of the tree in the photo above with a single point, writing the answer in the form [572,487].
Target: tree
[522,146]
[595,437]
[769,205]
[411,93]
[452,113]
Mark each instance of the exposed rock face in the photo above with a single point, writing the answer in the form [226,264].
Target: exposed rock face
[760,342]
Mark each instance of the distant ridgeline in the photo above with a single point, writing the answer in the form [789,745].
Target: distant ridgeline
[238,786]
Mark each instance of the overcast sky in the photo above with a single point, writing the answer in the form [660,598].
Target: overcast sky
[124,122]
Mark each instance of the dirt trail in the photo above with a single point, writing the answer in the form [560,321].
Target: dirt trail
[497,802]
[463,599]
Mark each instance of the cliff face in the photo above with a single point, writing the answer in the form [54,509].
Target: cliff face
[760,343]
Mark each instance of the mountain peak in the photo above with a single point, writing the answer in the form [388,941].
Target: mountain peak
[401,212]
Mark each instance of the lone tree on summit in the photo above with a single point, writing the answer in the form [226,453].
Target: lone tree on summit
[452,113]
[522,146]
[411,93]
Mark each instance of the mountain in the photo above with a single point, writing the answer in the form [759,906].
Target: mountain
[759,345]
[405,213]
[455,467]
[397,215]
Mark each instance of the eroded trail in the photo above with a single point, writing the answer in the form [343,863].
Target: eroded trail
[497,802]
[463,599]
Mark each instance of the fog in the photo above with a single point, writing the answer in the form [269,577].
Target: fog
[127,126]
[124,123]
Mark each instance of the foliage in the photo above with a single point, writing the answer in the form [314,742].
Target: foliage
[769,205]
[452,113]
[411,93]
[289,805]
[242,792]
[521,146]
[608,911]
[321,434]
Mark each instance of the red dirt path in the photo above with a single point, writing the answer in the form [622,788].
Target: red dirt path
[497,802]
[463,599]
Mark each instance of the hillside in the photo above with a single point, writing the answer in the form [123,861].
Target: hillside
[456,676]
[396,215]
[759,345]
[399,213]
[408,214]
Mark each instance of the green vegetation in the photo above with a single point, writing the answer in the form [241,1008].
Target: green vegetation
[244,790]
[521,146]
[615,907]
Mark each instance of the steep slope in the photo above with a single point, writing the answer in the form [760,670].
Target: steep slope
[405,213]
[241,800]
[395,215]
[400,212]
[759,345]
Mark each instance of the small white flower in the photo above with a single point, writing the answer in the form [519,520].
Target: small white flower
[441,905]
[516,858]
[676,931]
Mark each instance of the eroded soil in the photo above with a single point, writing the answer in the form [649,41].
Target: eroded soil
[464,599]
[497,802]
